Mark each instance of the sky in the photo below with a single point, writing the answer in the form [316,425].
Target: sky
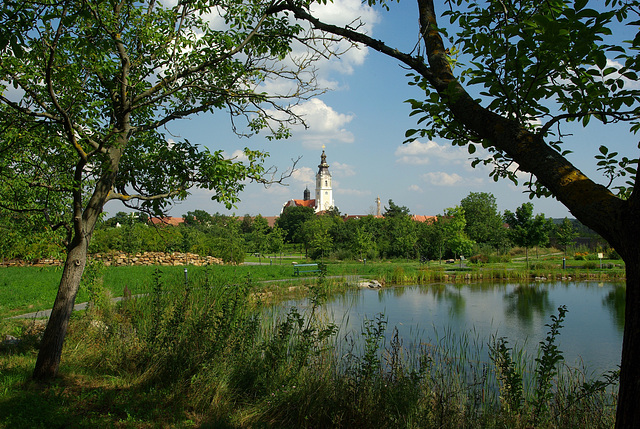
[361,122]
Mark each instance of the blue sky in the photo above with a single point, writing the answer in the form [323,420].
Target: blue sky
[361,122]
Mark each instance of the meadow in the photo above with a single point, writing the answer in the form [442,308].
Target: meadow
[206,351]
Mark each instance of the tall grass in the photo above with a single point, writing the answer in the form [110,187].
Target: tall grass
[208,350]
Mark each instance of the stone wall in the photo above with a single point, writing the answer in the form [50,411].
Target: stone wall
[121,259]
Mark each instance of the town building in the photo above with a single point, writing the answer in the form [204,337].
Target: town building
[324,190]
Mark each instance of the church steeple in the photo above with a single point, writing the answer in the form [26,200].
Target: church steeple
[323,163]
[324,192]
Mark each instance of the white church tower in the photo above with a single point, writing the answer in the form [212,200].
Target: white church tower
[324,192]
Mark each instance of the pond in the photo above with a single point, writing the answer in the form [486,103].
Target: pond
[592,330]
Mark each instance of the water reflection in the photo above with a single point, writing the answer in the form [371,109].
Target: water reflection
[614,302]
[526,300]
[592,330]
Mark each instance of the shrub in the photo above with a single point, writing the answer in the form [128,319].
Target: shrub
[494,259]
[611,253]
[478,259]
[581,256]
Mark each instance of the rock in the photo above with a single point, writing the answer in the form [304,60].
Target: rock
[371,284]
[10,340]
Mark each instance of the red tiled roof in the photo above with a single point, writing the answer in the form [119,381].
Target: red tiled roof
[173,221]
[271,220]
[301,203]
[421,218]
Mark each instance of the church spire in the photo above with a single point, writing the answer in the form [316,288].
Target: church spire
[323,162]
[324,191]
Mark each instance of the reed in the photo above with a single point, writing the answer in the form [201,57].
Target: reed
[202,351]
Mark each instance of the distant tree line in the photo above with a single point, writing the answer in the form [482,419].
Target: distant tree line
[474,229]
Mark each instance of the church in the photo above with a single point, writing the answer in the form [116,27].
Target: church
[324,191]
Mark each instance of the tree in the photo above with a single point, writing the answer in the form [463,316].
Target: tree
[314,235]
[400,235]
[291,220]
[536,66]
[94,86]
[321,243]
[197,217]
[259,236]
[482,216]
[526,230]
[565,233]
[455,237]
[362,241]
[395,210]
[276,241]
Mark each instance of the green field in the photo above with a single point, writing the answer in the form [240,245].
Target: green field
[210,355]
[29,289]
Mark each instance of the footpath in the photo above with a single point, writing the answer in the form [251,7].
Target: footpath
[42,314]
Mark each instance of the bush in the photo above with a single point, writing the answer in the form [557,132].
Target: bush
[580,256]
[494,259]
[543,265]
[611,253]
[231,363]
[478,259]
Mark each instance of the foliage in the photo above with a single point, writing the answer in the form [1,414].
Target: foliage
[525,229]
[94,88]
[525,70]
[291,220]
[454,228]
[208,351]
[547,364]
[395,210]
[483,221]
[565,233]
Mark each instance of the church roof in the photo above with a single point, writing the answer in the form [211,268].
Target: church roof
[323,163]
[301,203]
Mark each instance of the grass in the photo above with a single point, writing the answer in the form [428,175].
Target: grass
[209,355]
[199,353]
[29,289]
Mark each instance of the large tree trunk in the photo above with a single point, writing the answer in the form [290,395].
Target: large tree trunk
[628,411]
[53,339]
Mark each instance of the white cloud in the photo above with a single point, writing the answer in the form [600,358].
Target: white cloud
[418,153]
[304,175]
[237,155]
[324,124]
[344,12]
[337,56]
[344,170]
[628,83]
[415,188]
[440,178]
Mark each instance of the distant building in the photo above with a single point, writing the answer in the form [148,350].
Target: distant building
[168,220]
[324,190]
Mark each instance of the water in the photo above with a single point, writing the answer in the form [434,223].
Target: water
[592,330]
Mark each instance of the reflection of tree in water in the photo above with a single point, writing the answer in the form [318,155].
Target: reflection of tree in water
[441,293]
[525,300]
[396,291]
[614,302]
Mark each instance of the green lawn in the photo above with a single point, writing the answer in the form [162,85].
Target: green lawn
[29,289]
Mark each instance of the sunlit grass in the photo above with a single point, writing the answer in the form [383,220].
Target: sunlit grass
[208,353]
